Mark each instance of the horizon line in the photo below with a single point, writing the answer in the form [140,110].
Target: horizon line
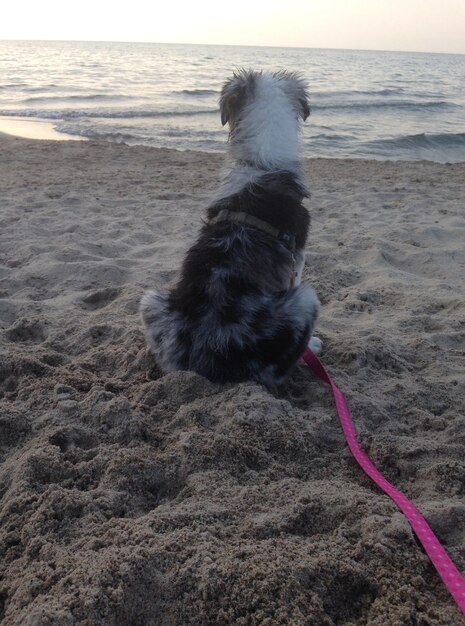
[179,43]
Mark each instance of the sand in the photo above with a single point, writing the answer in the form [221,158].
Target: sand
[129,497]
[32,128]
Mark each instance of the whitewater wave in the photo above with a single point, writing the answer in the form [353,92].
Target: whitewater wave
[96,133]
[167,138]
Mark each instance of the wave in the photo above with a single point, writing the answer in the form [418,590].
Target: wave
[98,97]
[49,87]
[59,114]
[129,113]
[27,87]
[12,86]
[438,147]
[356,92]
[197,92]
[395,105]
[330,138]
[95,133]
[422,140]
[177,140]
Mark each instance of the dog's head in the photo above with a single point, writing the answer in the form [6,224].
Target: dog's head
[246,85]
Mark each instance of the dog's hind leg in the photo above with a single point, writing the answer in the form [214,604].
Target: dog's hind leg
[299,257]
[292,318]
[315,344]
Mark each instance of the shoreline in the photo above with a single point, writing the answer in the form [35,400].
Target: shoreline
[43,130]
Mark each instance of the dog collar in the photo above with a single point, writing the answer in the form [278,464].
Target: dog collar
[225,215]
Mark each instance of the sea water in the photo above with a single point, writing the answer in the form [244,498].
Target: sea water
[381,105]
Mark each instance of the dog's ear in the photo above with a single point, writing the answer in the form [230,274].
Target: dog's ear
[304,107]
[229,101]
[298,86]
[235,94]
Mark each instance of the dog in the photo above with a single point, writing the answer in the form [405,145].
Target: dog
[239,311]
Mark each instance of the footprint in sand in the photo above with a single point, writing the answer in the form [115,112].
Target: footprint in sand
[26,330]
[100,298]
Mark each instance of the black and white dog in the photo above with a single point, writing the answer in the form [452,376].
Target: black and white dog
[238,311]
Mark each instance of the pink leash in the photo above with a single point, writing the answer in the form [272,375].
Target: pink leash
[446,569]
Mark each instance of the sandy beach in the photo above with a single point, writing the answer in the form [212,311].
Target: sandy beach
[129,497]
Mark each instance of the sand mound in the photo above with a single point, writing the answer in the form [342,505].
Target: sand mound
[133,498]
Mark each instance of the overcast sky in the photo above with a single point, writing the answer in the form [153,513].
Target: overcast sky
[420,25]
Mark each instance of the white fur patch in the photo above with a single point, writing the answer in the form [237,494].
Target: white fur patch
[268,131]
[315,344]
[237,179]
[266,137]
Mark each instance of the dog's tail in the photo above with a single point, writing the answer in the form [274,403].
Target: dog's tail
[159,329]
[152,307]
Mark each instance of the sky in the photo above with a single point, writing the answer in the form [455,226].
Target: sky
[410,25]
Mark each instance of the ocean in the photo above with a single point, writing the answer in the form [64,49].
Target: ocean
[375,105]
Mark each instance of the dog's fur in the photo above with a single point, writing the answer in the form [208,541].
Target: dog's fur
[233,315]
